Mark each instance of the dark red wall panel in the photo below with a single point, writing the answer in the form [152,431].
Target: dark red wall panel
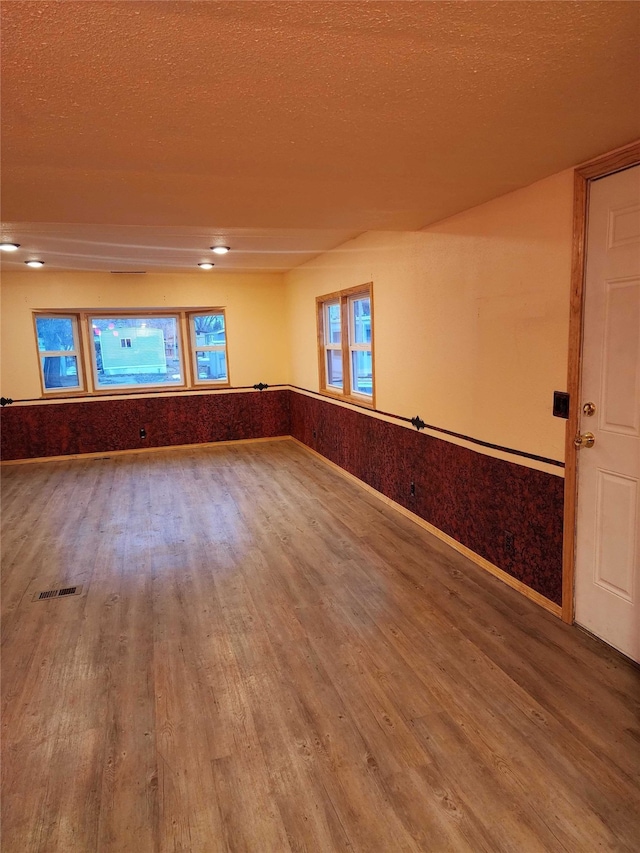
[472,497]
[105,425]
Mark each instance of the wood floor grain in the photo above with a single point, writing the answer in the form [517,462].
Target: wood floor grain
[265,658]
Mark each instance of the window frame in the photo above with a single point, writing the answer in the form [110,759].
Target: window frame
[345,298]
[195,348]
[77,352]
[82,320]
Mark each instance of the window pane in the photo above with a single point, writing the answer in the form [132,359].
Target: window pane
[361,320]
[209,329]
[361,374]
[333,324]
[334,368]
[212,364]
[132,351]
[55,333]
[60,371]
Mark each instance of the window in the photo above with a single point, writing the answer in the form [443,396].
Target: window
[59,353]
[208,336]
[346,344]
[131,351]
[360,345]
[333,345]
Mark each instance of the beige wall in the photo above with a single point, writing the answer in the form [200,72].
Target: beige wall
[470,316]
[255,307]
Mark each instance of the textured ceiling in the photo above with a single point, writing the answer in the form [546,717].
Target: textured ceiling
[180,121]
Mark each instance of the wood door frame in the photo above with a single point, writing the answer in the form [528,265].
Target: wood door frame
[607,164]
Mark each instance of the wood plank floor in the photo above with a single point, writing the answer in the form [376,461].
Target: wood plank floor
[267,658]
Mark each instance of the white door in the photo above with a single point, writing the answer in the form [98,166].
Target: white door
[608,525]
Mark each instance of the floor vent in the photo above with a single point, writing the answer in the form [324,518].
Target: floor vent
[57,593]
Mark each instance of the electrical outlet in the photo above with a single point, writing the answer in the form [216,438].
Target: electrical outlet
[509,542]
[143,432]
[412,490]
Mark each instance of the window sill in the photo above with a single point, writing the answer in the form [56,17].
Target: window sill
[50,394]
[209,386]
[365,402]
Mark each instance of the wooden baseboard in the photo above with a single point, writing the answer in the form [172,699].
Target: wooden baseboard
[102,453]
[494,570]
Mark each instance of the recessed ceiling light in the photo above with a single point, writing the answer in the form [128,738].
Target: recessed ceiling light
[205,266]
[220,250]
[34,263]
[9,247]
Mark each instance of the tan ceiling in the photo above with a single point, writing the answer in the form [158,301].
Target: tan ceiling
[283,128]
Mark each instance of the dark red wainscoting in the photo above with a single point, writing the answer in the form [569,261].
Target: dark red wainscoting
[104,425]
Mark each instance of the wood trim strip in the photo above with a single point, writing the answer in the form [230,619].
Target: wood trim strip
[494,570]
[348,291]
[344,342]
[614,161]
[322,367]
[84,397]
[580,197]
[103,454]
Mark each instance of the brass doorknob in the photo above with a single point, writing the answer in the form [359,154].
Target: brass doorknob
[587,439]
